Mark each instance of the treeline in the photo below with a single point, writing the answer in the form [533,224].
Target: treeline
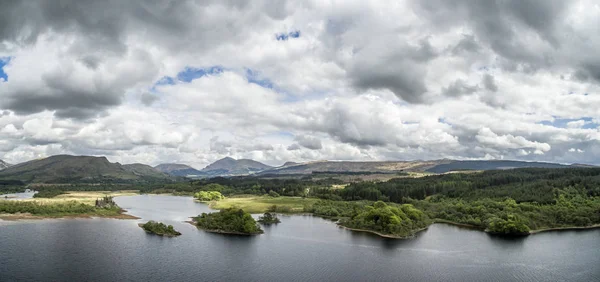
[54,209]
[523,185]
[48,193]
[333,173]
[261,186]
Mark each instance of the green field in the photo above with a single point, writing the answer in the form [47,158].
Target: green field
[261,204]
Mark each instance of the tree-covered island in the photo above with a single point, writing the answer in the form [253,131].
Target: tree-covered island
[228,221]
[159,228]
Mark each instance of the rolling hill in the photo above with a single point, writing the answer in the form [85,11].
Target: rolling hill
[350,166]
[80,169]
[491,165]
[435,166]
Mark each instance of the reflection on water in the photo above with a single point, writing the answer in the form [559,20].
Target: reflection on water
[301,248]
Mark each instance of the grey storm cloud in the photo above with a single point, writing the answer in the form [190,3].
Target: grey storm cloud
[82,79]
[309,142]
[148,99]
[459,88]
[490,83]
[100,32]
[466,45]
[502,25]
[399,69]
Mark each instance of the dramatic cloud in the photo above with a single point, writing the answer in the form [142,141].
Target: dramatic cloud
[194,81]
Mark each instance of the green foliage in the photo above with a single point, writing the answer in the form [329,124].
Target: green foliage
[268,218]
[273,194]
[511,224]
[384,218]
[105,202]
[231,220]
[523,185]
[572,208]
[48,193]
[280,209]
[401,221]
[160,228]
[208,196]
[55,209]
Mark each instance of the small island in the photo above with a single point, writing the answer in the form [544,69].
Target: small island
[228,221]
[268,219]
[159,228]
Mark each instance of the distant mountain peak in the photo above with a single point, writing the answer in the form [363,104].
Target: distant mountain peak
[4,165]
[231,166]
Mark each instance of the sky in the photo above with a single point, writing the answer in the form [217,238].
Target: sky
[195,81]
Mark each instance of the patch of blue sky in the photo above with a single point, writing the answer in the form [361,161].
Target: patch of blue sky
[189,73]
[563,122]
[286,36]
[3,62]
[254,77]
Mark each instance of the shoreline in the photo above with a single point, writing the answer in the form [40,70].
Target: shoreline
[384,235]
[28,216]
[564,228]
[465,225]
[531,232]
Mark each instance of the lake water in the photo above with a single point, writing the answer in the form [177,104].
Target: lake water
[301,248]
[18,196]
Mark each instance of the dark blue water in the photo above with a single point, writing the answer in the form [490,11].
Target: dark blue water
[301,248]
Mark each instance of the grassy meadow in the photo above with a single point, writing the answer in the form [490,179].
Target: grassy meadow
[261,204]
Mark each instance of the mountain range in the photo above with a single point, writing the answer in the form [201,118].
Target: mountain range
[178,170]
[88,169]
[80,169]
[223,167]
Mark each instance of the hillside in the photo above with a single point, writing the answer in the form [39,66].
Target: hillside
[350,166]
[230,166]
[435,166]
[78,169]
[4,165]
[178,170]
[491,165]
[144,170]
